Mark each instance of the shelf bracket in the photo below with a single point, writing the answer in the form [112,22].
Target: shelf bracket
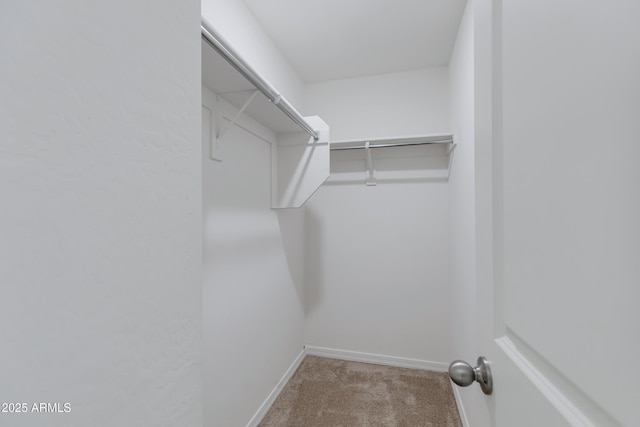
[235,118]
[371,177]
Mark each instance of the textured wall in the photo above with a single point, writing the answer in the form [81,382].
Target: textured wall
[100,225]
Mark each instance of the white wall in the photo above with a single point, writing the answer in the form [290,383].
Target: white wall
[100,182]
[253,278]
[405,103]
[462,201]
[378,257]
[235,22]
[378,269]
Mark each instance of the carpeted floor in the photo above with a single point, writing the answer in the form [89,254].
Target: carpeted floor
[336,393]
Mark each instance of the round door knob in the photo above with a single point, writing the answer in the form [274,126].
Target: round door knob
[464,374]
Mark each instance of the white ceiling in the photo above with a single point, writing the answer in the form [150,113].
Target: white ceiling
[335,39]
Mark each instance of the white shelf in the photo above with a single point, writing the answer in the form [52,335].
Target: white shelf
[415,158]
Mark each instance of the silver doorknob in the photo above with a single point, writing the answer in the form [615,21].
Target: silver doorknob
[464,374]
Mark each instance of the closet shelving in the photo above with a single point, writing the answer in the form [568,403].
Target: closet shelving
[300,153]
[399,141]
[301,150]
[225,52]
[403,158]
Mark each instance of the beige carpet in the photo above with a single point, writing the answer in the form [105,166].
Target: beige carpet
[336,393]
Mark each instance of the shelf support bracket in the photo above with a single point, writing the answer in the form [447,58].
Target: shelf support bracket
[371,177]
[235,118]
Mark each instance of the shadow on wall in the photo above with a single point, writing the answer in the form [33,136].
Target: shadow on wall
[292,229]
[314,260]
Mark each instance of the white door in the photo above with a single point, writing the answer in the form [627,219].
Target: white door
[558,211]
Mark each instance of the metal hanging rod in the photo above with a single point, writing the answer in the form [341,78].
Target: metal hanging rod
[391,142]
[402,144]
[236,61]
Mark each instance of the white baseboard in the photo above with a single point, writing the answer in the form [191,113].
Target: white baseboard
[458,397]
[379,359]
[264,408]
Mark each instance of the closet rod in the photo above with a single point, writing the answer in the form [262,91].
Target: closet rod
[391,144]
[221,46]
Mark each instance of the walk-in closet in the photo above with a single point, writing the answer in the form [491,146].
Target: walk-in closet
[243,213]
[347,214]
[314,246]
